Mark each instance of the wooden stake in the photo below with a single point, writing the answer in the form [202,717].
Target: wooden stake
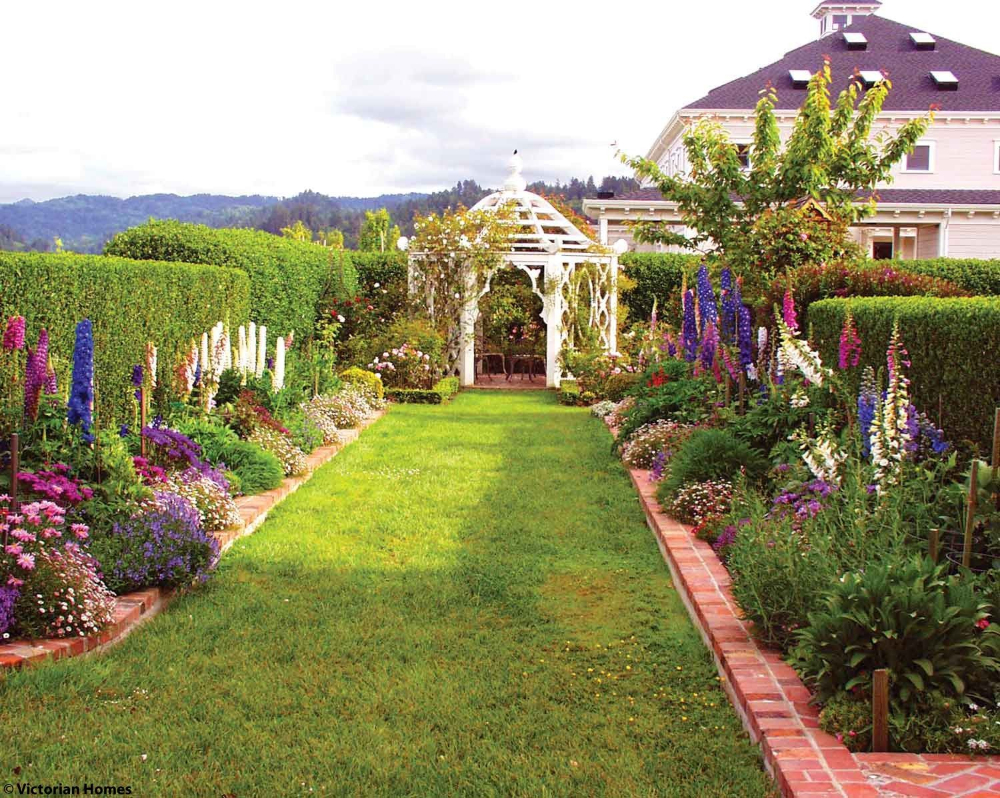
[880,711]
[970,518]
[935,543]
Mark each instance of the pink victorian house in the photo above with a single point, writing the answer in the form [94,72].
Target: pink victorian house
[944,200]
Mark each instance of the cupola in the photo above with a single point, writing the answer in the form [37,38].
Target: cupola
[834,16]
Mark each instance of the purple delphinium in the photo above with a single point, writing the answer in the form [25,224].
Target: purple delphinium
[13,336]
[709,344]
[137,381]
[197,376]
[689,329]
[164,544]
[35,375]
[706,299]
[867,403]
[926,439]
[81,394]
[729,305]
[182,452]
[744,336]
[8,597]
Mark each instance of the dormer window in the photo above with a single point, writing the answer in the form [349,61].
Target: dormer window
[945,80]
[923,41]
[800,78]
[834,16]
[871,77]
[921,159]
[855,40]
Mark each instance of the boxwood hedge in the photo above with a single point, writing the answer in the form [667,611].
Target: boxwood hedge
[953,346]
[287,278]
[129,302]
[980,277]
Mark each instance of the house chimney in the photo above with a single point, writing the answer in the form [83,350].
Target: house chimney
[834,16]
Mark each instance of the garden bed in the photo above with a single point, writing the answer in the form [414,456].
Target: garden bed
[133,609]
[772,701]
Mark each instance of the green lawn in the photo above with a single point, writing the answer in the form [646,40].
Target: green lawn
[466,602]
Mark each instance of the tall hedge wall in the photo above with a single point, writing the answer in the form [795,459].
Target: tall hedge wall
[129,302]
[385,268]
[656,275]
[954,347]
[287,278]
[980,277]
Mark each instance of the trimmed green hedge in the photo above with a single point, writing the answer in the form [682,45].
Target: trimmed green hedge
[657,275]
[129,302]
[443,390]
[953,346]
[388,269]
[980,277]
[287,278]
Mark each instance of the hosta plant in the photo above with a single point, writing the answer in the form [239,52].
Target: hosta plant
[931,631]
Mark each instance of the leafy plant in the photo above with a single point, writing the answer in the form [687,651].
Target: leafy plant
[708,455]
[931,631]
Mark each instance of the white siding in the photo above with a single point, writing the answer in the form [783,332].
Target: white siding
[974,240]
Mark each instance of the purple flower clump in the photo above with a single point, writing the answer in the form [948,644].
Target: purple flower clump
[13,336]
[689,330]
[8,597]
[164,544]
[803,502]
[81,394]
[709,311]
[35,375]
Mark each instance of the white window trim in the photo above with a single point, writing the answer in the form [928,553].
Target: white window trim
[996,156]
[932,157]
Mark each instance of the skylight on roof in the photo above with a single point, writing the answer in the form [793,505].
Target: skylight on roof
[871,77]
[923,41]
[800,77]
[855,40]
[945,80]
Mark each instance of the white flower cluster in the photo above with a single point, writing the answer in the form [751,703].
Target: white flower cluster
[796,352]
[890,427]
[822,454]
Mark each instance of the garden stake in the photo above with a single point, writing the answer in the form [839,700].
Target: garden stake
[880,711]
[935,542]
[970,519]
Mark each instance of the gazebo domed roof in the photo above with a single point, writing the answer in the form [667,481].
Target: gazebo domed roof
[541,228]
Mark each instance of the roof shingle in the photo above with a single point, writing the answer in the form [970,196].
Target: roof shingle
[890,196]
[889,49]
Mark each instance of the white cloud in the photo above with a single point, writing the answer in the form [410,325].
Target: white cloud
[123,98]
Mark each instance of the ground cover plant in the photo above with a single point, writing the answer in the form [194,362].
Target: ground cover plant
[528,641]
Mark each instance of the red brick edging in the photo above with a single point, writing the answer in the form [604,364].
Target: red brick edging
[773,703]
[133,609]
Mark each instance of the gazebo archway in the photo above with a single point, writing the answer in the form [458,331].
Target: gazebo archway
[558,258]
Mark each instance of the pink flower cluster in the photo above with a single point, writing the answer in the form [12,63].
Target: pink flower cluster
[32,532]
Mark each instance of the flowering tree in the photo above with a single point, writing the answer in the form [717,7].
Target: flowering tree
[760,220]
[452,259]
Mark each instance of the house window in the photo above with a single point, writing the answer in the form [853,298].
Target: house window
[743,153]
[840,21]
[921,159]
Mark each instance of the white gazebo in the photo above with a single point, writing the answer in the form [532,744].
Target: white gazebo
[562,264]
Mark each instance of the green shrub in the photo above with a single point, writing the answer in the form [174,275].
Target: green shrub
[569,393]
[910,618]
[288,279]
[953,346]
[777,580]
[130,303]
[979,277]
[443,390]
[617,386]
[707,455]
[256,470]
[367,381]
[652,275]
[667,391]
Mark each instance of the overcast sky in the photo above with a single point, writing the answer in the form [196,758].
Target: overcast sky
[360,99]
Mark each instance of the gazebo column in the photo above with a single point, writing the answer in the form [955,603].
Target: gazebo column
[467,343]
[553,309]
[613,306]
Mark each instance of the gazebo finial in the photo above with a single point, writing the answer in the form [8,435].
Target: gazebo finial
[515,181]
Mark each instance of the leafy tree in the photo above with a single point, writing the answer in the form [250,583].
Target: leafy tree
[759,220]
[378,233]
[297,232]
[334,239]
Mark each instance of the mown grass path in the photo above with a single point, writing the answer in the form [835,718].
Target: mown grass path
[465,602]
